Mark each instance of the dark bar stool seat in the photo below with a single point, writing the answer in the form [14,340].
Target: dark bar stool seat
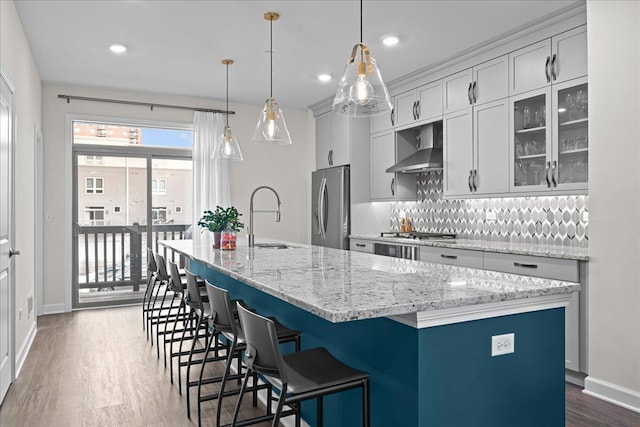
[300,376]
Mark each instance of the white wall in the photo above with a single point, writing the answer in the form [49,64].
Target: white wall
[285,168]
[16,59]
[614,194]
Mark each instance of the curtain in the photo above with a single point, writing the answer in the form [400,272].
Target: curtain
[210,176]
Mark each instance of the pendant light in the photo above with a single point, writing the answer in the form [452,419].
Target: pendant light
[361,91]
[227,146]
[271,128]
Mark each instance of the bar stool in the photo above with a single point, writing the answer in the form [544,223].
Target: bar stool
[199,313]
[152,277]
[300,376]
[224,320]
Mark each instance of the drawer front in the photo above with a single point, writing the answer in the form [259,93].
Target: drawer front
[458,257]
[361,245]
[550,268]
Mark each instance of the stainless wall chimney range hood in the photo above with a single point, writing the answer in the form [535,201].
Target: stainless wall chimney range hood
[428,158]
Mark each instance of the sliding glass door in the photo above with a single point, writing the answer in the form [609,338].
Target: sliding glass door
[127,197]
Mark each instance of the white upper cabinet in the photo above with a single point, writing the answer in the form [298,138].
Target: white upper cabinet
[458,152]
[421,105]
[337,136]
[457,91]
[382,122]
[569,55]
[476,150]
[483,83]
[529,67]
[386,149]
[491,80]
[558,59]
[324,140]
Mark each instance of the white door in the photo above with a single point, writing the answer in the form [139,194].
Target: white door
[529,67]
[457,91]
[569,59]
[382,157]
[323,140]
[6,320]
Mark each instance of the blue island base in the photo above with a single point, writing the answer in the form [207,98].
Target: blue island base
[442,376]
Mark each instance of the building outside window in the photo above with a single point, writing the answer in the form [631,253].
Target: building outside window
[94,215]
[94,185]
[94,160]
[178,209]
[159,187]
[159,215]
[116,209]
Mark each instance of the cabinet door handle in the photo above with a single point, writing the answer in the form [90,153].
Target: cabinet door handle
[393,184]
[392,117]
[329,160]
[474,180]
[554,166]
[553,67]
[448,256]
[361,245]
[474,91]
[417,109]
[469,93]
[413,110]
[469,181]
[546,69]
[547,174]
[519,264]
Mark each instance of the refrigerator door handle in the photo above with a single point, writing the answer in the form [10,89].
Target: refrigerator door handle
[325,208]
[321,208]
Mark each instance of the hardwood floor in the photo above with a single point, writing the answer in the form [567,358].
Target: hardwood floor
[96,368]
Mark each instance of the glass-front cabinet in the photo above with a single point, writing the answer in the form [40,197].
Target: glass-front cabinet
[549,138]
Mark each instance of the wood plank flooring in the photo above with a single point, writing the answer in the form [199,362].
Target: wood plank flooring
[96,368]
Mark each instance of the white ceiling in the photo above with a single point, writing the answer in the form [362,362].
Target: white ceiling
[175,47]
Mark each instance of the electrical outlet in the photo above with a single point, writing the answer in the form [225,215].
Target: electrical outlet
[402,214]
[585,216]
[502,344]
[492,216]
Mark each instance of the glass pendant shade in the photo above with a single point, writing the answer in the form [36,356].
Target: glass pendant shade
[227,147]
[271,128]
[361,91]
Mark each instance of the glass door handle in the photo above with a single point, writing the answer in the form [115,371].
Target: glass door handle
[13,252]
[547,174]
[553,173]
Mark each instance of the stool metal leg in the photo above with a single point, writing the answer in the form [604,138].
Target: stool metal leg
[242,388]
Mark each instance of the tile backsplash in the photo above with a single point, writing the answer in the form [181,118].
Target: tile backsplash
[545,219]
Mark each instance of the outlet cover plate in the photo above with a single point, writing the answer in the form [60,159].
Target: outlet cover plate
[503,344]
[492,216]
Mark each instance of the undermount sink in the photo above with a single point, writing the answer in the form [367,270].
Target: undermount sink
[272,245]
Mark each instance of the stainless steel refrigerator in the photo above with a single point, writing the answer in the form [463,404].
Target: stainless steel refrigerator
[330,214]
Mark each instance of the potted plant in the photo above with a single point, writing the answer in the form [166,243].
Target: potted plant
[219,220]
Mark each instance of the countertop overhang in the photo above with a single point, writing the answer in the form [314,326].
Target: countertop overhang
[340,286]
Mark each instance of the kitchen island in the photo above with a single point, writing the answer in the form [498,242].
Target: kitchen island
[423,331]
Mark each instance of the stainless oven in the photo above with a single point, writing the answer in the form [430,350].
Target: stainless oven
[396,250]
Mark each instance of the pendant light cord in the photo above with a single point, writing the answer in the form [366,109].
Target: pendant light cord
[227,94]
[360,22]
[271,54]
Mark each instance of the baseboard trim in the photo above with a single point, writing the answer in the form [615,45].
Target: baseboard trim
[575,378]
[52,309]
[612,393]
[21,356]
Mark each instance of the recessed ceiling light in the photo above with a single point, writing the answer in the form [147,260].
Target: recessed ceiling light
[324,77]
[390,40]
[118,48]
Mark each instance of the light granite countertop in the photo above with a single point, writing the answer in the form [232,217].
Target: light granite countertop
[340,286]
[533,249]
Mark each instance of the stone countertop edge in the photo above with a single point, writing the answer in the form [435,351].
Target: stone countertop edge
[531,249]
[383,286]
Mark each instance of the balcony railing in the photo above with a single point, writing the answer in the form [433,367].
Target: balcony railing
[114,256]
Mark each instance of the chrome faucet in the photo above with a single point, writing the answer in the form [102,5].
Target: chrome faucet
[251,211]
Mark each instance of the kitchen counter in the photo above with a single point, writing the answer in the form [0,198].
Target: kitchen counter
[533,249]
[422,331]
[340,286]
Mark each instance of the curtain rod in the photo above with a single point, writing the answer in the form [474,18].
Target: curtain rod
[144,104]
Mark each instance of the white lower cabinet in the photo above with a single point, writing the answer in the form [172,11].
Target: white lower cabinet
[457,257]
[361,245]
